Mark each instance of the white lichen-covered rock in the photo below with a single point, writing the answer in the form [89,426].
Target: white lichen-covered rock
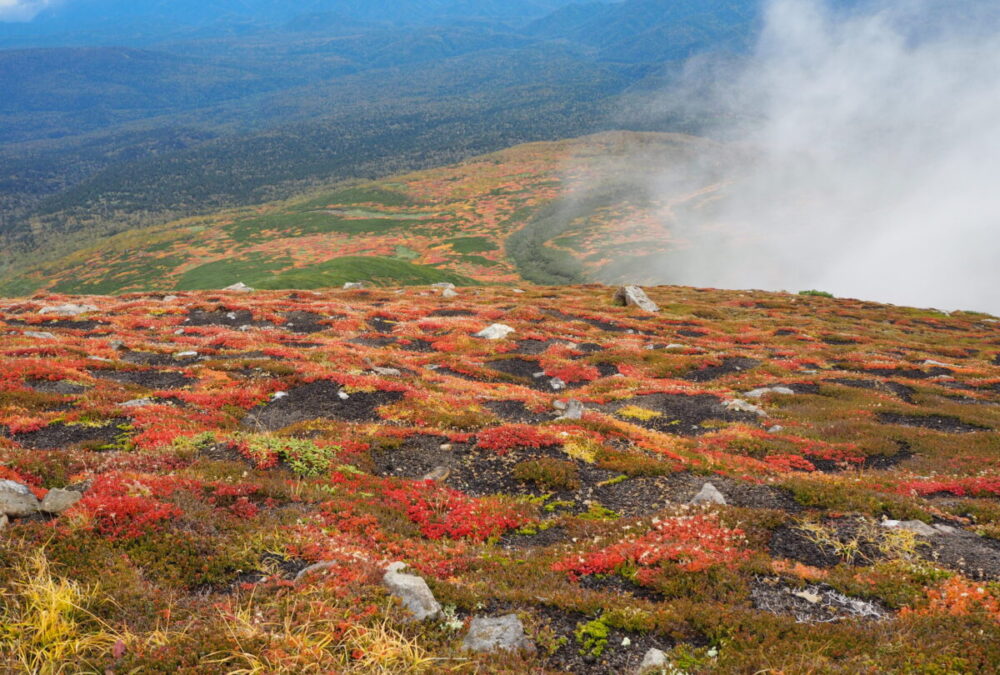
[915,526]
[757,393]
[413,591]
[57,500]
[654,660]
[573,410]
[709,494]
[739,405]
[633,296]
[354,285]
[17,500]
[497,331]
[39,334]
[68,309]
[504,633]
[239,287]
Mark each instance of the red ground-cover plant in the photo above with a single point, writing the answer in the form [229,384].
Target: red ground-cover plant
[976,486]
[443,512]
[958,596]
[505,438]
[692,542]
[121,506]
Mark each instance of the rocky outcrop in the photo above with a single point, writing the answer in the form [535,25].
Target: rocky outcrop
[504,633]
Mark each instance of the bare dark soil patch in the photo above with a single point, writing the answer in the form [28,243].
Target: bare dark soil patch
[451,312]
[148,379]
[417,345]
[149,358]
[685,485]
[380,341]
[803,387]
[902,391]
[523,368]
[728,366]
[62,387]
[304,322]
[976,557]
[57,436]
[886,462]
[951,425]
[692,333]
[909,373]
[315,400]
[222,317]
[547,537]
[681,414]
[382,325]
[533,347]
[790,542]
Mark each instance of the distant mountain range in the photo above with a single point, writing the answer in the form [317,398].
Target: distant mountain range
[119,114]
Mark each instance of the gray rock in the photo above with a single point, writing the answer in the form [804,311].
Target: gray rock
[57,501]
[387,372]
[138,403]
[488,634]
[239,287]
[757,393]
[170,298]
[413,591]
[654,659]
[68,310]
[709,495]
[573,411]
[12,486]
[186,355]
[776,429]
[39,334]
[633,296]
[16,500]
[497,331]
[557,384]
[915,526]
[354,285]
[443,284]
[118,346]
[739,405]
[449,293]
[315,567]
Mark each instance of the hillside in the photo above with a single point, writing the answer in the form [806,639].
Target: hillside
[226,476]
[556,212]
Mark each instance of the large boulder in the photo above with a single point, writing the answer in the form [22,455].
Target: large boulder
[413,591]
[57,501]
[633,296]
[17,500]
[504,633]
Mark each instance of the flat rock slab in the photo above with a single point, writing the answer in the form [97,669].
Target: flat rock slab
[413,591]
[504,633]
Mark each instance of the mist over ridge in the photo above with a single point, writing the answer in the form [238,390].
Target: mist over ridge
[874,135]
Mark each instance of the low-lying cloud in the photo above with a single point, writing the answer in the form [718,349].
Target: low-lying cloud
[875,134]
[22,10]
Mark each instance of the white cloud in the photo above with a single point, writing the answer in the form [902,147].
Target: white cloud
[877,138]
[22,10]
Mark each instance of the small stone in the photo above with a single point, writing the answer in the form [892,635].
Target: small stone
[497,331]
[675,345]
[559,404]
[504,633]
[186,355]
[170,298]
[39,334]
[239,287]
[354,285]
[932,362]
[633,296]
[413,591]
[516,290]
[557,384]
[444,284]
[776,429]
[343,395]
[811,598]
[16,500]
[449,293]
[387,372]
[57,501]
[654,659]
[118,346]
[437,474]
[68,310]
[278,395]
[709,495]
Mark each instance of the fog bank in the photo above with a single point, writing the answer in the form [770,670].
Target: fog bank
[876,138]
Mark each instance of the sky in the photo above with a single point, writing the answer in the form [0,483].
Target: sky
[876,135]
[22,10]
